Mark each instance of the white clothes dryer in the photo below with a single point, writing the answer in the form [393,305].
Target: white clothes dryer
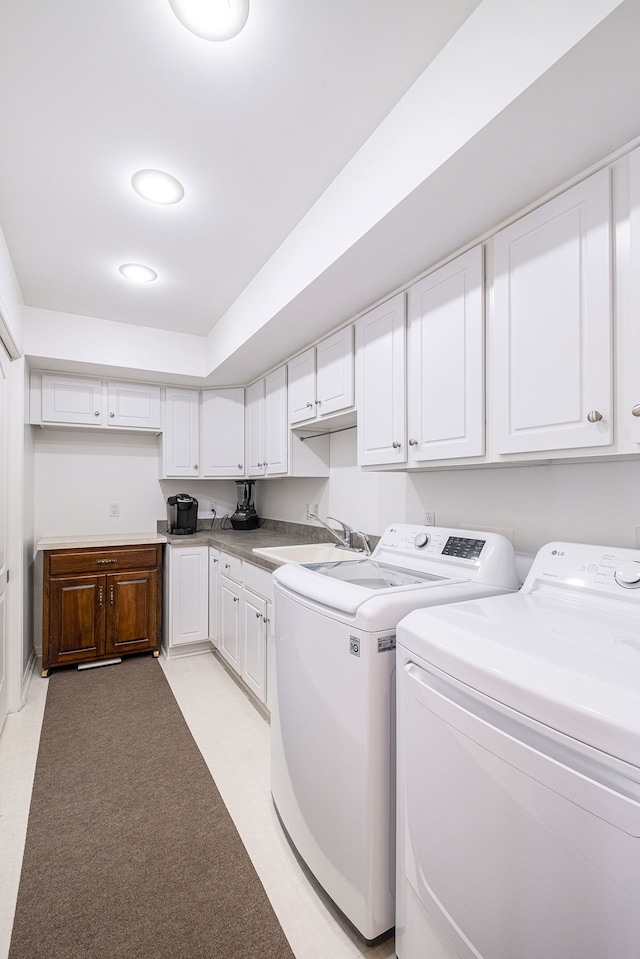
[333,712]
[519,767]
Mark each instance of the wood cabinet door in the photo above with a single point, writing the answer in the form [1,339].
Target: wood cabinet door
[77,608]
[380,383]
[132,612]
[445,365]
[551,325]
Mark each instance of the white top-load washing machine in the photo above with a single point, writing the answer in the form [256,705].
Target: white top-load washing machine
[519,767]
[332,719]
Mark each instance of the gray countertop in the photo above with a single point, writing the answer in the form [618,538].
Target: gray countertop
[242,542]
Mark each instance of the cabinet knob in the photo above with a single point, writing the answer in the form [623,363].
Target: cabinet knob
[310,405]
[239,466]
[318,402]
[195,466]
[413,442]
[97,413]
[236,599]
[635,411]
[594,416]
[227,565]
[258,615]
[215,560]
[112,415]
[396,446]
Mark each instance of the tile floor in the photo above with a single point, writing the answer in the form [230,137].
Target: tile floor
[234,740]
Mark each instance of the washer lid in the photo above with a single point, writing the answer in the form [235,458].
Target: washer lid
[574,667]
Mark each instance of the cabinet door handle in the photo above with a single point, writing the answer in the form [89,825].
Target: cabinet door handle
[112,595]
[413,442]
[396,446]
[635,410]
[318,402]
[236,599]
[594,416]
[102,561]
[215,560]
[310,405]
[195,466]
[101,596]
[97,413]
[239,466]
[227,565]
[258,615]
[112,415]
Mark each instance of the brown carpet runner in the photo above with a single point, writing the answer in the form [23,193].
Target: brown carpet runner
[130,850]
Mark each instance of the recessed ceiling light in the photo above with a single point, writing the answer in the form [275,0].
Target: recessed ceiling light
[157,186]
[138,272]
[212,19]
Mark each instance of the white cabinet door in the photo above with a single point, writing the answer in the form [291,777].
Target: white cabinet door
[629,342]
[254,643]
[254,417]
[230,621]
[189,595]
[334,373]
[70,399]
[223,433]
[133,405]
[180,439]
[276,452]
[301,374]
[380,380]
[550,329]
[445,361]
[214,593]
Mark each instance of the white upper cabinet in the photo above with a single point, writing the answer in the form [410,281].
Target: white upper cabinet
[551,325]
[180,437]
[133,405]
[629,340]
[73,400]
[223,433]
[321,380]
[267,428]
[445,362]
[380,384]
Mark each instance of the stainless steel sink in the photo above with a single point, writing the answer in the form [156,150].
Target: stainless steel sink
[308,553]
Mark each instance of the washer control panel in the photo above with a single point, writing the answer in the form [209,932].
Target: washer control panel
[473,554]
[577,566]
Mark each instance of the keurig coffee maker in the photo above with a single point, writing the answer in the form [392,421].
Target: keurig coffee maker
[245,516]
[182,514]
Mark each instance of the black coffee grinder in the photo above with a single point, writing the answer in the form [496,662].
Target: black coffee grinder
[245,516]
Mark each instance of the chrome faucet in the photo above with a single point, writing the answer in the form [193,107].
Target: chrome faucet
[349,535]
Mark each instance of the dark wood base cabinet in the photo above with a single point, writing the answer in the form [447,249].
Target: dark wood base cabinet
[99,603]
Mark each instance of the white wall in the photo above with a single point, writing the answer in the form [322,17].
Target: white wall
[587,502]
[77,475]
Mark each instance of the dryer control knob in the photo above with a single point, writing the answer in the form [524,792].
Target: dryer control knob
[628,575]
[421,540]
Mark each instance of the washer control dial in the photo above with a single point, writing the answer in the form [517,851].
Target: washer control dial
[628,575]
[422,540]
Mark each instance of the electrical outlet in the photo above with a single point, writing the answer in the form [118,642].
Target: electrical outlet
[429,519]
[114,509]
[312,508]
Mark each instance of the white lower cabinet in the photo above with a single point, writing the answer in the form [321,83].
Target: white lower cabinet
[244,611]
[186,601]
[214,595]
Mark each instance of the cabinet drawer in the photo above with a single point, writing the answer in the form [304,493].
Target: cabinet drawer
[231,566]
[103,560]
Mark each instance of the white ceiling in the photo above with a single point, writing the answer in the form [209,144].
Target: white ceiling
[256,128]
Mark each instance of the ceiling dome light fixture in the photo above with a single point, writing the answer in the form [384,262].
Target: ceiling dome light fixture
[212,19]
[138,272]
[157,186]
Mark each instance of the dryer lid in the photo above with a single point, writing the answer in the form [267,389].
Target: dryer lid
[573,667]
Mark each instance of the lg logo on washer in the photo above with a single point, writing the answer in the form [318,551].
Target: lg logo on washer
[557,552]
